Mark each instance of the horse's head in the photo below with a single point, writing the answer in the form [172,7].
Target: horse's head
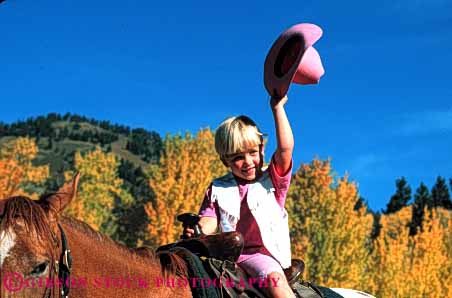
[30,242]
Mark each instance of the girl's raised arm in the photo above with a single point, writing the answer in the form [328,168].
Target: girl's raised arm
[284,136]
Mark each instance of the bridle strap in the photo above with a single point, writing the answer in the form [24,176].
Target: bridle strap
[64,265]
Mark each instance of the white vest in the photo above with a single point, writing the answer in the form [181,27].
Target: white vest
[271,220]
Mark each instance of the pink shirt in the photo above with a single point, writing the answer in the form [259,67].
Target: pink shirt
[247,225]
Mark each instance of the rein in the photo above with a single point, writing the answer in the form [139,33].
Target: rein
[63,266]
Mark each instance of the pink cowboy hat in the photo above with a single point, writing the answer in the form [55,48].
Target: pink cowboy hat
[293,59]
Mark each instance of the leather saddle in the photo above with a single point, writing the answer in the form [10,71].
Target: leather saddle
[222,246]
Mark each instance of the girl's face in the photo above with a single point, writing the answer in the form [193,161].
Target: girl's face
[247,165]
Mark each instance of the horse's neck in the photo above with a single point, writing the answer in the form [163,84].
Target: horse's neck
[100,262]
[95,254]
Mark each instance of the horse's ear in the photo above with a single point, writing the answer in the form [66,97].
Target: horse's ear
[59,200]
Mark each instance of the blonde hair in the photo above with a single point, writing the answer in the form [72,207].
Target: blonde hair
[236,134]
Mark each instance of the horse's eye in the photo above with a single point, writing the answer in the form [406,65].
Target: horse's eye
[40,269]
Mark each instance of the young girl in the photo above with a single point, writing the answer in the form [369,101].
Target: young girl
[251,198]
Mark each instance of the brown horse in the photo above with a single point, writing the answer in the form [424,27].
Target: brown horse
[36,243]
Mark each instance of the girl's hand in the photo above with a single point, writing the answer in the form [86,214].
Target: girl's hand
[187,233]
[278,102]
[208,226]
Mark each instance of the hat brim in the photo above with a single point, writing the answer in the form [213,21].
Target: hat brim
[285,55]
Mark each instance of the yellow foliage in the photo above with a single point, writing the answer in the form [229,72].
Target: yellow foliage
[186,168]
[16,168]
[99,185]
[326,230]
[412,266]
[391,251]
[446,221]
[333,238]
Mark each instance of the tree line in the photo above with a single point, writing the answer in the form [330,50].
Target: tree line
[331,227]
[56,128]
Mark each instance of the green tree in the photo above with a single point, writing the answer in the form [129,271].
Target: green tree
[145,144]
[440,194]
[376,227]
[133,222]
[422,199]
[401,198]
[450,185]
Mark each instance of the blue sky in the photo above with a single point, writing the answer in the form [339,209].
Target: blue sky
[383,109]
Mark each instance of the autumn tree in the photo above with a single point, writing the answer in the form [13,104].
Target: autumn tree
[326,230]
[18,175]
[187,165]
[412,266]
[446,220]
[430,266]
[389,254]
[99,190]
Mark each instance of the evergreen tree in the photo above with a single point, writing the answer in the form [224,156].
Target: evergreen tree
[376,227]
[422,199]
[147,145]
[400,198]
[360,203]
[126,171]
[440,194]
[49,143]
[66,116]
[450,183]
[64,133]
[134,221]
[53,117]
[3,129]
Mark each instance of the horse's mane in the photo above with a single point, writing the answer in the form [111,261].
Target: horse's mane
[35,220]
[34,217]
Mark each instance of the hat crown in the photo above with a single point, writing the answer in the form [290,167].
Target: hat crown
[287,61]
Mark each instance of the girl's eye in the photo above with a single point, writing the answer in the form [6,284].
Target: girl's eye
[237,158]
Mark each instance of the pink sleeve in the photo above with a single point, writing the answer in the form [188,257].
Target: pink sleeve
[281,183]
[208,208]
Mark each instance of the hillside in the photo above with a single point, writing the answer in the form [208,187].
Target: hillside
[60,136]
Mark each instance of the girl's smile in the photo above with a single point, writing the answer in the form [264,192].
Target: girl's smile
[246,165]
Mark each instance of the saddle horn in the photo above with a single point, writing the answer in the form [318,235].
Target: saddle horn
[190,220]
